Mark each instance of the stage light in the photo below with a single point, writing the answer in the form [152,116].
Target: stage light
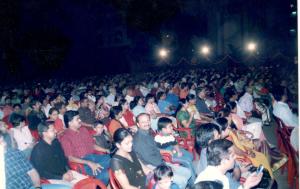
[251,46]
[205,50]
[163,53]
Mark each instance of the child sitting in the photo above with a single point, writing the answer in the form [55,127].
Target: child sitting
[163,178]
[166,141]
[101,136]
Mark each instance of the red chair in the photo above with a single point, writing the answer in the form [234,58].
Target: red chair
[188,142]
[114,183]
[89,183]
[283,134]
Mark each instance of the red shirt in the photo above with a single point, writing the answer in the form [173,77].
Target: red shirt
[77,143]
[129,117]
[58,125]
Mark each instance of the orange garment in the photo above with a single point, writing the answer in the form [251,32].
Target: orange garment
[113,126]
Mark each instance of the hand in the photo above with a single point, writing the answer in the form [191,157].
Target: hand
[96,167]
[252,180]
[68,176]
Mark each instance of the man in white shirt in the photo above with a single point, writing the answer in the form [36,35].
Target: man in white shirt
[282,110]
[246,104]
[220,159]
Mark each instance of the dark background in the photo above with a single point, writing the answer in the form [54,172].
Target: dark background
[76,38]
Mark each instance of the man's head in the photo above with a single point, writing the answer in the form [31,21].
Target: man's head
[164,125]
[72,120]
[163,176]
[220,154]
[35,105]
[61,107]
[17,120]
[143,121]
[84,102]
[46,130]
[17,108]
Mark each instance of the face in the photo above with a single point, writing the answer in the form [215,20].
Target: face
[84,103]
[168,129]
[229,163]
[17,109]
[202,94]
[76,122]
[216,135]
[144,122]
[164,183]
[125,106]
[37,105]
[50,133]
[63,109]
[126,144]
[192,101]
[99,129]
[54,115]
[141,102]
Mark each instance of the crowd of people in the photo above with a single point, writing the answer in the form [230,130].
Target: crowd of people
[125,124]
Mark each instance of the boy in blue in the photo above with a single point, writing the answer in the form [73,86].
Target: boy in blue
[163,178]
[166,141]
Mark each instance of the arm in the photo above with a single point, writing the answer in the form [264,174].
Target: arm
[100,149]
[34,177]
[146,169]
[123,180]
[96,167]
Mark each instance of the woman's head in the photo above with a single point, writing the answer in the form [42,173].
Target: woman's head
[124,104]
[191,99]
[116,112]
[123,140]
[150,98]
[223,123]
[205,134]
[53,114]
[232,106]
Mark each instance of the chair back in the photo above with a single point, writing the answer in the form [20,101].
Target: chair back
[89,183]
[114,183]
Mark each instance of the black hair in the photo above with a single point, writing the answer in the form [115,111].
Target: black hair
[33,102]
[159,95]
[278,93]
[163,122]
[119,135]
[190,97]
[15,105]
[148,97]
[218,150]
[162,171]
[222,122]
[134,102]
[52,110]
[231,105]
[114,111]
[59,105]
[208,185]
[205,134]
[16,119]
[43,127]
[68,117]
[97,123]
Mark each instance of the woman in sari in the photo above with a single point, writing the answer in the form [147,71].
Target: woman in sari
[258,151]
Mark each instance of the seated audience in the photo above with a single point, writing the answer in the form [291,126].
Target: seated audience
[147,151]
[116,114]
[79,147]
[166,141]
[21,134]
[220,159]
[49,159]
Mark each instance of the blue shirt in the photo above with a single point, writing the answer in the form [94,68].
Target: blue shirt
[16,168]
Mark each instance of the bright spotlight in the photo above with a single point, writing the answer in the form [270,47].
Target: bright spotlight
[205,50]
[251,46]
[163,53]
